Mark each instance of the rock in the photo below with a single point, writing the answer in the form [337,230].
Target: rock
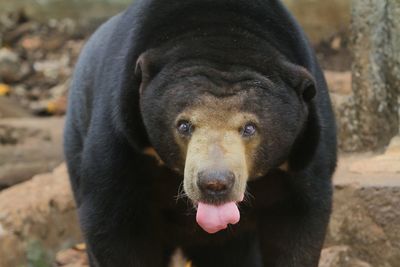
[358,263]
[336,43]
[366,214]
[12,69]
[394,147]
[18,30]
[31,43]
[37,219]
[339,82]
[373,111]
[387,163]
[340,256]
[377,164]
[53,68]
[27,147]
[72,258]
[354,224]
[10,65]
[334,256]
[60,90]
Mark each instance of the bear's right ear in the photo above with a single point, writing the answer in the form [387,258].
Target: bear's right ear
[143,70]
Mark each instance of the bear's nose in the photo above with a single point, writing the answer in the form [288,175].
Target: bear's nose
[215,182]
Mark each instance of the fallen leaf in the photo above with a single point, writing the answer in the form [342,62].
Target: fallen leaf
[81,246]
[4,89]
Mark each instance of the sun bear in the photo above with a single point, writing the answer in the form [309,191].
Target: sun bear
[204,125]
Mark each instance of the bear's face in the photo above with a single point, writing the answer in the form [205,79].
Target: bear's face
[220,128]
[218,141]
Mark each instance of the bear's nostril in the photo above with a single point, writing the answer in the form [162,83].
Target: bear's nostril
[215,181]
[216,186]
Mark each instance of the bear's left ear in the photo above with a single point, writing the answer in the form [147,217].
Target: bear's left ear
[300,79]
[307,142]
[307,88]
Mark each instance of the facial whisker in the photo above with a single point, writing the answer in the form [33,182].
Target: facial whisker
[181,193]
[248,197]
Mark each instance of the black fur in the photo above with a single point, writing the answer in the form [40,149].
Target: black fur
[126,203]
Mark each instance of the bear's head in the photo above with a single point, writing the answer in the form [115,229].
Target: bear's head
[222,122]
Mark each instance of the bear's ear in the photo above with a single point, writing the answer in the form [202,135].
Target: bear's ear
[307,89]
[300,79]
[305,146]
[143,70]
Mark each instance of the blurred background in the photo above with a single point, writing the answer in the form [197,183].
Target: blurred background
[358,45]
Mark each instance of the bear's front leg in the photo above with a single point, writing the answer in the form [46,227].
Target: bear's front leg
[118,234]
[292,233]
[116,209]
[292,241]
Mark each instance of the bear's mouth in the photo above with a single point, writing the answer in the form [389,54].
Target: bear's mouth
[213,218]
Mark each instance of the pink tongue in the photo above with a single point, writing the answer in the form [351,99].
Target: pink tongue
[216,218]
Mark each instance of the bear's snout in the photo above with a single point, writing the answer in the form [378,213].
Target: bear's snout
[214,183]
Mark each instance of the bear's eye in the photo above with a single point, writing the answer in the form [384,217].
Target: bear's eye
[185,127]
[248,130]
